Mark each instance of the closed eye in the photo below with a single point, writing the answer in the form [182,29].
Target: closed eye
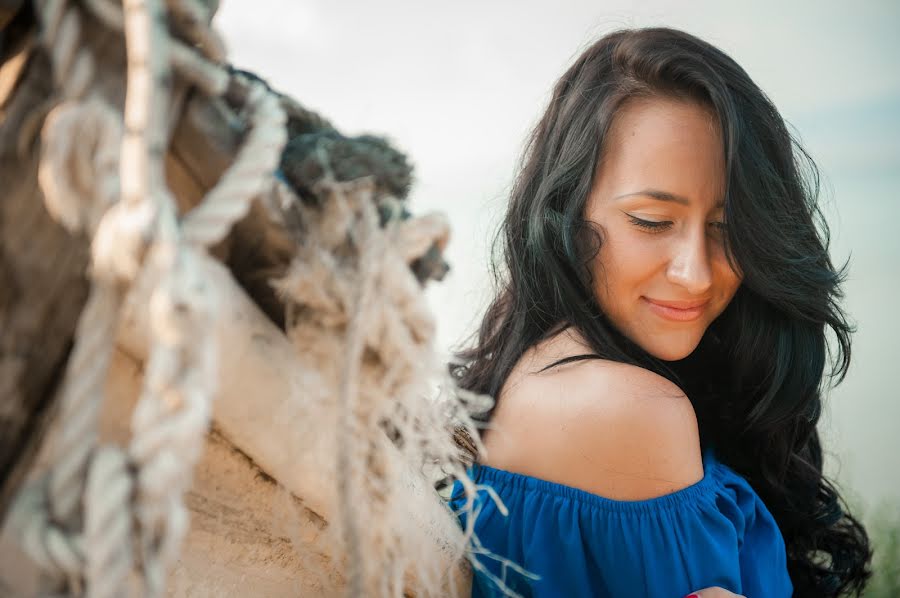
[650,225]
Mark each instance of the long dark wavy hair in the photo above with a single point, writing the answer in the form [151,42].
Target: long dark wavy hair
[757,376]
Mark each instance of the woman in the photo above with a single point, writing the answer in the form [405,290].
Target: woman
[658,344]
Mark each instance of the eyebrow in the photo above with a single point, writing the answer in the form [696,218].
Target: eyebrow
[664,196]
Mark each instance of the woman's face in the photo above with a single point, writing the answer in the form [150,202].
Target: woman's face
[662,275]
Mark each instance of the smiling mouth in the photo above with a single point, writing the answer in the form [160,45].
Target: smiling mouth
[677,311]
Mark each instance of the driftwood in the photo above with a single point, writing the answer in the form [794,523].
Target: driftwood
[258,513]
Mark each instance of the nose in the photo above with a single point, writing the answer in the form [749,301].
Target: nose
[690,266]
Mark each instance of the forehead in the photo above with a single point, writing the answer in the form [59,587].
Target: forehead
[668,144]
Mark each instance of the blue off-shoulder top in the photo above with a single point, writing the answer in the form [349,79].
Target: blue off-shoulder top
[562,541]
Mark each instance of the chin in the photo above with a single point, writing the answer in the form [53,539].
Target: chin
[673,349]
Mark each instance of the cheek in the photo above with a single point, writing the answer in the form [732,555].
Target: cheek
[625,264]
[728,281]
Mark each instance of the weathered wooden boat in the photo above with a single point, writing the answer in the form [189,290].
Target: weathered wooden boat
[217,372]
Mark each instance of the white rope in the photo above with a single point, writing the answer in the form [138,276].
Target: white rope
[171,419]
[80,183]
[210,78]
[249,176]
[58,553]
[348,494]
[81,403]
[53,537]
[107,524]
[144,142]
[172,415]
[68,200]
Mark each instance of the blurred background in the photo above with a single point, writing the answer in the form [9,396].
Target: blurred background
[459,85]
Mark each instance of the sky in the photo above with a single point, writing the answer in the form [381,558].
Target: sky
[457,86]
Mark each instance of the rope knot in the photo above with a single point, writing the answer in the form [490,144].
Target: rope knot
[122,240]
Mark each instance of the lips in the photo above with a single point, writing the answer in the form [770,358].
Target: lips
[677,311]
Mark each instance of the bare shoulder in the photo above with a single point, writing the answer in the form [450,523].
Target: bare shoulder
[613,429]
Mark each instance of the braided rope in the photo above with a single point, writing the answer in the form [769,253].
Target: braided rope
[210,78]
[101,557]
[107,524]
[81,402]
[52,536]
[249,176]
[67,176]
[57,552]
[164,468]
[171,419]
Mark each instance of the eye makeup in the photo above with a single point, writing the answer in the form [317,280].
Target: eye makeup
[649,225]
[661,225]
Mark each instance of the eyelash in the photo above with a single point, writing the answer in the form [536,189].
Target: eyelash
[649,225]
[658,227]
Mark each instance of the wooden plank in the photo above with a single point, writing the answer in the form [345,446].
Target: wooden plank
[43,284]
[42,289]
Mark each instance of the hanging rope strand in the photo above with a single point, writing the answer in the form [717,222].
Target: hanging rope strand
[349,497]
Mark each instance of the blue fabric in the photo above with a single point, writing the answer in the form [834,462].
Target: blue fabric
[716,532]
